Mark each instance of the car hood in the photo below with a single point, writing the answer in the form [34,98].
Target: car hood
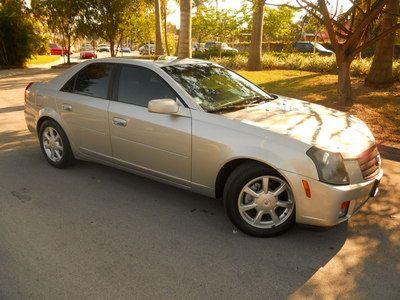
[313,124]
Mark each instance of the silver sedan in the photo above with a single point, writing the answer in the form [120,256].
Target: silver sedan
[202,127]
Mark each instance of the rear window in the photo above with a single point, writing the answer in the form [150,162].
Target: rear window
[91,81]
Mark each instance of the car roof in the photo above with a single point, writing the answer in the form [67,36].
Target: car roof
[161,62]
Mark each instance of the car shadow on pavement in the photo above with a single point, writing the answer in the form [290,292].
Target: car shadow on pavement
[92,225]
[11,109]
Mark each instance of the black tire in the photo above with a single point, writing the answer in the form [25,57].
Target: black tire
[67,157]
[237,180]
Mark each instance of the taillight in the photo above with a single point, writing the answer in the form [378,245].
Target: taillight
[27,90]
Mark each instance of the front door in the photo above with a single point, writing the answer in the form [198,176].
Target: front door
[157,144]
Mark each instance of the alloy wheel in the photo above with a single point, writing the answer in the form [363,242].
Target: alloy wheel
[266,202]
[52,144]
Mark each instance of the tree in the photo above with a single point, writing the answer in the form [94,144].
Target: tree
[164,14]
[138,23]
[381,72]
[349,33]
[108,17]
[185,31]
[19,38]
[157,14]
[61,16]
[254,63]
[278,23]
[206,25]
[310,25]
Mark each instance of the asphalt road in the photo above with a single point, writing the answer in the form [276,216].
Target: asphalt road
[93,232]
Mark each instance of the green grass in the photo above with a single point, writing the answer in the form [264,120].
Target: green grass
[42,59]
[380,109]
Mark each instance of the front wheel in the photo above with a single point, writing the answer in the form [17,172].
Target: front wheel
[259,201]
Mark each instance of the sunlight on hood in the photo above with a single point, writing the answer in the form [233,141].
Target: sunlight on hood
[316,125]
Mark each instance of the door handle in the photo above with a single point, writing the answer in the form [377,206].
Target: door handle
[66,107]
[119,122]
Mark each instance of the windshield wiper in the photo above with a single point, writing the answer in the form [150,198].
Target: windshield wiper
[235,107]
[250,102]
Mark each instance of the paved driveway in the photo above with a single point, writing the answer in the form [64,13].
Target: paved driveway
[95,232]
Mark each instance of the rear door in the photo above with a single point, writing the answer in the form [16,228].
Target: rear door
[83,104]
[154,143]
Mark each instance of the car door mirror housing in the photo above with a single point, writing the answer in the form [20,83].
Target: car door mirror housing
[163,106]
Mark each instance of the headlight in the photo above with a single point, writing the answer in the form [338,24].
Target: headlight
[330,166]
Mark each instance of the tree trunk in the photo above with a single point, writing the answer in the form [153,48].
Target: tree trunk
[381,73]
[68,48]
[255,52]
[185,31]
[345,96]
[159,45]
[164,8]
[112,44]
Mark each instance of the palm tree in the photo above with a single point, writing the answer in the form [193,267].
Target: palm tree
[157,13]
[164,14]
[185,31]
[254,63]
[381,73]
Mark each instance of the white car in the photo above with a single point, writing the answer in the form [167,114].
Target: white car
[147,49]
[103,48]
[199,126]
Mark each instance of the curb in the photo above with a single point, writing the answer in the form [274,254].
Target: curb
[64,66]
[389,152]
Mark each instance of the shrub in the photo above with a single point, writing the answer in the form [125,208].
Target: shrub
[18,40]
[396,69]
[303,62]
[213,52]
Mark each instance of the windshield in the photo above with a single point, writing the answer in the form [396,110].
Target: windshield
[215,88]
[86,48]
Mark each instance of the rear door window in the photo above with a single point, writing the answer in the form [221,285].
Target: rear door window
[93,80]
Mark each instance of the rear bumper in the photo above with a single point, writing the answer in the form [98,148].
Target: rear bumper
[324,205]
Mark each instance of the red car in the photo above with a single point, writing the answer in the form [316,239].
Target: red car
[57,50]
[87,52]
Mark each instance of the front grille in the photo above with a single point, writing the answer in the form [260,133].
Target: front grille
[370,162]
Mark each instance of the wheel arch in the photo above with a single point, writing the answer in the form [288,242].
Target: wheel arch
[41,120]
[229,167]
[54,117]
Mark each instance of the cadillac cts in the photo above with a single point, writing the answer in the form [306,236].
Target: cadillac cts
[199,126]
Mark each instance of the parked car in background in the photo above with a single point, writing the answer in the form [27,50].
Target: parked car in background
[198,46]
[103,48]
[225,47]
[221,46]
[57,50]
[147,49]
[197,125]
[311,47]
[125,49]
[87,52]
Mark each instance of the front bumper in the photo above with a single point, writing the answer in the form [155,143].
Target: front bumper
[324,205]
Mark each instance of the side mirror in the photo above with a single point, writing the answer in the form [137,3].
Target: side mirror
[163,106]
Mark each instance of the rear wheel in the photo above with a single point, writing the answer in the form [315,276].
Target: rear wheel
[55,145]
[259,201]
